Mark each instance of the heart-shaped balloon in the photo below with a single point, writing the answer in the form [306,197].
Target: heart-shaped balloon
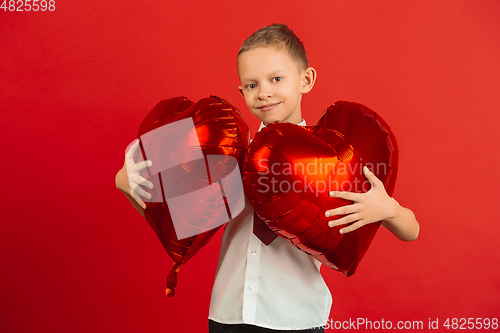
[290,169]
[195,149]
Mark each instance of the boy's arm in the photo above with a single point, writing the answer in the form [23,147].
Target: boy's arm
[402,224]
[373,206]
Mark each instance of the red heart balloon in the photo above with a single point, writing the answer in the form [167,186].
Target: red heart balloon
[219,139]
[290,169]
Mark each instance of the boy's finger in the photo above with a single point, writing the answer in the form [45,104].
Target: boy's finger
[131,152]
[137,179]
[142,165]
[140,191]
[344,195]
[352,227]
[344,220]
[139,201]
[348,209]
[371,176]
[144,182]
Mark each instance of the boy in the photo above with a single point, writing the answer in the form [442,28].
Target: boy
[276,287]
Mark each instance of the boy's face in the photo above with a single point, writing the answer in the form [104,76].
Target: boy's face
[272,84]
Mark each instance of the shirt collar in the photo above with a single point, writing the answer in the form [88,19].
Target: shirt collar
[302,123]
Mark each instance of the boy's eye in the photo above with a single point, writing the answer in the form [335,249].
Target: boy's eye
[277,79]
[250,85]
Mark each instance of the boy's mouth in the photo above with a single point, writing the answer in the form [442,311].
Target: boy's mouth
[268,107]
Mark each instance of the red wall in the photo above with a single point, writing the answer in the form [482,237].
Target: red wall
[76,82]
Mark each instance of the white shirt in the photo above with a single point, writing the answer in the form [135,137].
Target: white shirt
[275,286]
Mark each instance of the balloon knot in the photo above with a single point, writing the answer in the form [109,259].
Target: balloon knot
[170,292]
[172,279]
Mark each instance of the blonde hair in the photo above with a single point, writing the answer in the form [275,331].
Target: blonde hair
[278,36]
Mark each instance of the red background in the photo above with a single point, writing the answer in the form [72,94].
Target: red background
[75,84]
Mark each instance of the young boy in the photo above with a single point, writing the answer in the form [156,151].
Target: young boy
[276,287]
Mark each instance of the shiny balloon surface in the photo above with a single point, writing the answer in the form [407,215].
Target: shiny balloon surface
[290,169]
[220,131]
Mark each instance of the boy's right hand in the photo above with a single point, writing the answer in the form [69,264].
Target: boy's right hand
[129,179]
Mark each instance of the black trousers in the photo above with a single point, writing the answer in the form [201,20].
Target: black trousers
[215,327]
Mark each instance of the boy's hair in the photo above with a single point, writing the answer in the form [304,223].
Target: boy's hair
[277,35]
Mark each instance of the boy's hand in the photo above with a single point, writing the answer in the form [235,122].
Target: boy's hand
[372,206]
[129,179]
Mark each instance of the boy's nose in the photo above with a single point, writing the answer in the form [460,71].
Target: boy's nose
[265,93]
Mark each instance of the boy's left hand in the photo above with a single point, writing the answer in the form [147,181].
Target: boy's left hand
[372,206]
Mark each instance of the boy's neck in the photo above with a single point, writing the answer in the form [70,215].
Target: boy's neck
[295,123]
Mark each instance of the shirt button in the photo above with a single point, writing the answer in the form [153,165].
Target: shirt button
[254,253]
[250,286]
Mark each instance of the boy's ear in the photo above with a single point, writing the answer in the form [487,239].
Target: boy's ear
[308,80]
[240,88]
